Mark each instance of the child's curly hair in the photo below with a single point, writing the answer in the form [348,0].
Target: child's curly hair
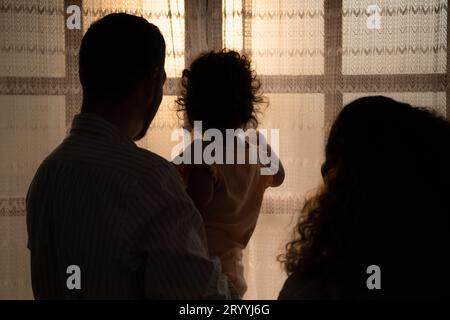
[221,90]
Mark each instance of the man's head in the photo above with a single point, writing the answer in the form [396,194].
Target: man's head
[122,71]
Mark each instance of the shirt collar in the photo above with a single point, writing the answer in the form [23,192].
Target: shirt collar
[94,124]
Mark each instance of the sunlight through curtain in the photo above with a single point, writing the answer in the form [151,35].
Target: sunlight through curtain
[312,58]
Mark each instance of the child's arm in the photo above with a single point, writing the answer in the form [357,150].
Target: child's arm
[278,177]
[197,179]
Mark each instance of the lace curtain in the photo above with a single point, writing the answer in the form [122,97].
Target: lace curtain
[312,58]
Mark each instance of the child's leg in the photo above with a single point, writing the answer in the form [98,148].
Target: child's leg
[234,269]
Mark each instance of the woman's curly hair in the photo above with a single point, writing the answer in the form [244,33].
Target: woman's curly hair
[384,201]
[221,90]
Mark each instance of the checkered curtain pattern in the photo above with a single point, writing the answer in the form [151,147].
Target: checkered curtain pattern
[312,58]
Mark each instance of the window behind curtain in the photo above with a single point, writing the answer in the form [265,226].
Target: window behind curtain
[312,58]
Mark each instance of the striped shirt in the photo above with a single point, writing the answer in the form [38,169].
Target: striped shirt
[120,213]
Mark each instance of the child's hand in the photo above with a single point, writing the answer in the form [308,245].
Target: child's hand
[269,160]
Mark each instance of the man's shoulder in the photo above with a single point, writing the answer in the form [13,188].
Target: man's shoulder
[148,161]
[158,183]
[154,169]
[132,161]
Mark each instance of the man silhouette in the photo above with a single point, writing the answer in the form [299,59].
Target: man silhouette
[98,202]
